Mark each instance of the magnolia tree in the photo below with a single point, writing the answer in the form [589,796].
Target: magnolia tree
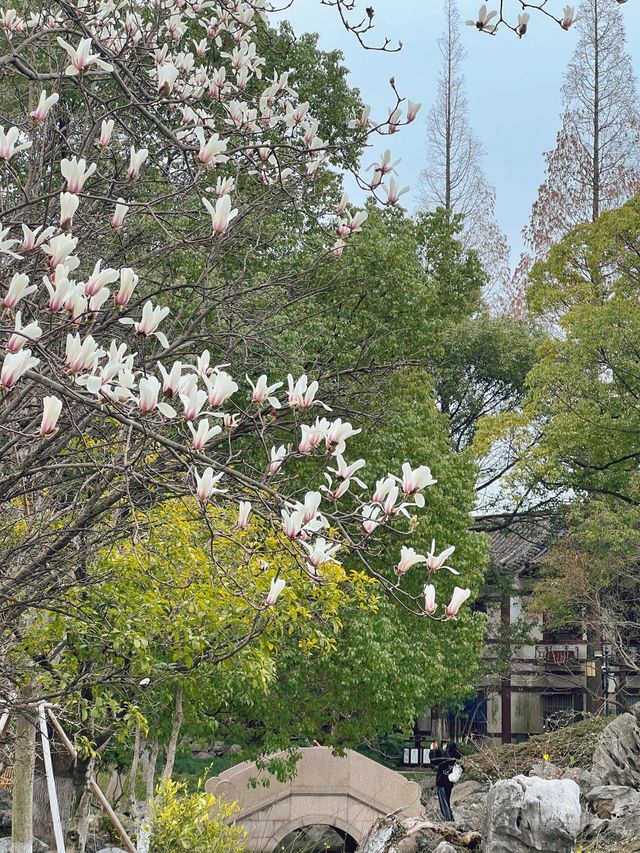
[142,151]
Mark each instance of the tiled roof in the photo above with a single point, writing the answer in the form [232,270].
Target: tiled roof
[524,542]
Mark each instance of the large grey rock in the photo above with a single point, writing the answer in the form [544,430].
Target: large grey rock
[112,850]
[613,801]
[531,814]
[469,804]
[616,760]
[445,847]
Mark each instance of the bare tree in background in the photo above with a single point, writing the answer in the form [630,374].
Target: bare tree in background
[453,177]
[595,165]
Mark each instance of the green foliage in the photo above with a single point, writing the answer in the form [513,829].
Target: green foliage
[192,822]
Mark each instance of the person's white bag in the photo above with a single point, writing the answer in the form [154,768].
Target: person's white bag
[455,773]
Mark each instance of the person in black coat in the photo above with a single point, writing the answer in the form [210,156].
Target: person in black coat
[444,759]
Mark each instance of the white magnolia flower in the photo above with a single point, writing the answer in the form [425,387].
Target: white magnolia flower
[483,21]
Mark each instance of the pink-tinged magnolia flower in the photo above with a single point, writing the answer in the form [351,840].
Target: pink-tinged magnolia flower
[382,489]
[320,552]
[278,455]
[437,561]
[19,287]
[171,380]
[128,282]
[193,399]
[338,434]
[224,186]
[136,160]
[149,389]
[306,444]
[310,507]
[221,388]
[152,316]
[408,558]
[457,599]
[343,204]
[203,362]
[244,509]
[60,290]
[99,278]
[81,57]
[393,192]
[68,205]
[483,21]
[44,105]
[52,407]
[98,299]
[32,239]
[335,493]
[167,76]
[301,394]
[59,249]
[212,150]
[7,245]
[76,173]
[120,212]
[82,356]
[385,165]
[230,421]
[347,472]
[106,131]
[16,364]
[262,392]
[274,591]
[206,484]
[370,518]
[221,214]
[23,334]
[363,121]
[413,108]
[430,605]
[568,17]
[292,523]
[390,507]
[414,480]
[8,142]
[395,117]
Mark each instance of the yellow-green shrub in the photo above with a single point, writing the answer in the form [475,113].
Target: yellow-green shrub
[194,822]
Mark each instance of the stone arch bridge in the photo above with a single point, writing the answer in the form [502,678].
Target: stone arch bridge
[349,793]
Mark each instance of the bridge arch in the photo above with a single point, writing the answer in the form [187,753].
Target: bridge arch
[348,792]
[313,820]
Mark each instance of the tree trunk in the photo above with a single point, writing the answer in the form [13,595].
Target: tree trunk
[77,831]
[24,765]
[133,773]
[151,768]
[596,117]
[173,740]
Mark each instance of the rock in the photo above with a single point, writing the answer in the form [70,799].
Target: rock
[218,748]
[527,813]
[463,790]
[616,760]
[613,801]
[112,850]
[545,770]
[445,847]
[38,846]
[202,754]
[584,779]
[235,749]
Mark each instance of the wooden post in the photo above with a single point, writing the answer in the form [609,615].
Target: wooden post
[97,791]
[51,780]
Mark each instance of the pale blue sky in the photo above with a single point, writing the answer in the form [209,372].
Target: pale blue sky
[513,88]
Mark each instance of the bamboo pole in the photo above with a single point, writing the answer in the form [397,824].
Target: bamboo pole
[51,780]
[97,791]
